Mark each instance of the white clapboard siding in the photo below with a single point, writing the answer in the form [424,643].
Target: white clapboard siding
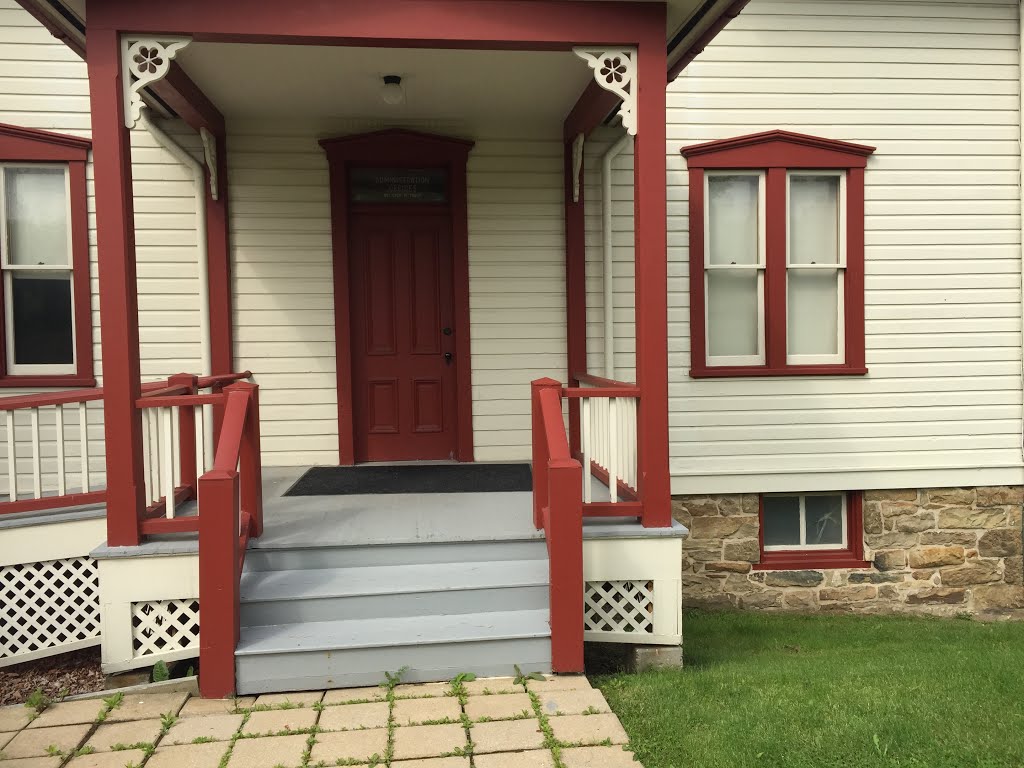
[44,85]
[283,285]
[934,85]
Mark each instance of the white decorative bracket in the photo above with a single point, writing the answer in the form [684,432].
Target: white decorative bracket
[144,62]
[210,154]
[577,166]
[615,71]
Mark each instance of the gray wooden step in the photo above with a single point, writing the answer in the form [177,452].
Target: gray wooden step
[326,594]
[280,558]
[332,654]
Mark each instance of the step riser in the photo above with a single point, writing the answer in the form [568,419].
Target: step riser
[299,671]
[266,612]
[399,554]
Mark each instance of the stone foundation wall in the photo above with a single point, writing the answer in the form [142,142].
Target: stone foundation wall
[940,551]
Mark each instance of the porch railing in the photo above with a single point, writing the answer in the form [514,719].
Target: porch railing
[608,442]
[52,458]
[230,513]
[558,510]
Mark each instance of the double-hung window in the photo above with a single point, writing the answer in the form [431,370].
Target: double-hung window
[44,266]
[777,256]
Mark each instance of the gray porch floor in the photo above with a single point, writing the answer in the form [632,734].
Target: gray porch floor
[291,521]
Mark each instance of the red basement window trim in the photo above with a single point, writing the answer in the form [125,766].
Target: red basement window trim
[811,531]
[777,256]
[44,260]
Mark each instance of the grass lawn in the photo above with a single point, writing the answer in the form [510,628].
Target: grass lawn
[794,691]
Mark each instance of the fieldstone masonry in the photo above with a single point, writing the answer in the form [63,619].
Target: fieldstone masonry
[942,551]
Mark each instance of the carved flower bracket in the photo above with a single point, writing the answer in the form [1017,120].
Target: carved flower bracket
[144,62]
[210,155]
[615,71]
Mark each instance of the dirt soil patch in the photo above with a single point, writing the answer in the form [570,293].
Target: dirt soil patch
[57,676]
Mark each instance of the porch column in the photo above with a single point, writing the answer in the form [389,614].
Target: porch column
[119,317]
[651,252]
[218,249]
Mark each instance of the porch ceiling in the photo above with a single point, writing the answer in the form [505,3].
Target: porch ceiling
[515,89]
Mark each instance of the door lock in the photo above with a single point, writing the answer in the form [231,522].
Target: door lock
[446,331]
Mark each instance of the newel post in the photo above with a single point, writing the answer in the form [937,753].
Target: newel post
[565,556]
[218,583]
[540,449]
[249,463]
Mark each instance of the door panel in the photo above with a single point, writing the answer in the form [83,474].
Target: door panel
[402,361]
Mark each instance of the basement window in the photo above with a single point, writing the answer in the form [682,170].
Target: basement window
[811,530]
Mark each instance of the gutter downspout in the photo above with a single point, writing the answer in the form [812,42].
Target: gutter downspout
[606,234]
[1020,180]
[199,176]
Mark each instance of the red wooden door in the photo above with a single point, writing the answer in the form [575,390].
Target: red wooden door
[403,366]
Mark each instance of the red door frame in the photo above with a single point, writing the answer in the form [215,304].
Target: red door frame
[396,148]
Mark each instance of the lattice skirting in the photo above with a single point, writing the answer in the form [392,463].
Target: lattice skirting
[48,607]
[619,607]
[164,626]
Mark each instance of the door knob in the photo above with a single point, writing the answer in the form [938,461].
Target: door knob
[448,357]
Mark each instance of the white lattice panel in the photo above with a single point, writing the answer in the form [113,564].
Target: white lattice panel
[619,606]
[47,607]
[163,626]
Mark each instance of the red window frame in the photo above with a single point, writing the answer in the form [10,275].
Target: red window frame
[25,145]
[775,153]
[852,556]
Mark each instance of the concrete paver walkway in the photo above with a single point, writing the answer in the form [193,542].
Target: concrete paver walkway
[558,722]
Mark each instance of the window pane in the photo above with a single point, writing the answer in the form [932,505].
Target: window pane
[37,224]
[732,218]
[824,519]
[41,309]
[781,521]
[813,219]
[812,309]
[732,312]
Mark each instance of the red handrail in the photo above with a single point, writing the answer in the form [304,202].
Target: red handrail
[558,510]
[600,381]
[230,513]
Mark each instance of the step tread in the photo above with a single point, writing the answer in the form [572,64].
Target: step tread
[390,632]
[314,583]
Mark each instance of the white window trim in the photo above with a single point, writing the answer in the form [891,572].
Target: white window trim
[721,361]
[803,545]
[840,357]
[8,270]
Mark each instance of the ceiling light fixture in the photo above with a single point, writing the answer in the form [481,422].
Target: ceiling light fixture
[392,93]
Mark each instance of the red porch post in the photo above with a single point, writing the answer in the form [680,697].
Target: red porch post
[651,252]
[218,249]
[115,228]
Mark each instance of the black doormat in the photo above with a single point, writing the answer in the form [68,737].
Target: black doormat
[413,478]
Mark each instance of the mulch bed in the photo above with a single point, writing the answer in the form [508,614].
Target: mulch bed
[57,676]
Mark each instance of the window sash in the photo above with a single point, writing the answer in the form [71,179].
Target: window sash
[758,267]
[840,266]
[8,269]
[803,545]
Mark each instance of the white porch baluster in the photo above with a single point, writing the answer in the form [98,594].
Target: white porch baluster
[200,442]
[585,437]
[613,450]
[12,469]
[83,416]
[167,457]
[59,423]
[37,472]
